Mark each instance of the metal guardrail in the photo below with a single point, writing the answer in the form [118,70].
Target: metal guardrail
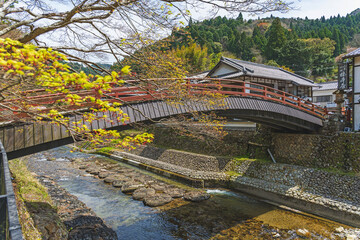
[10,227]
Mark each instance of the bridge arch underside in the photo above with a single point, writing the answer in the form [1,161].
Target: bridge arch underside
[29,138]
[275,115]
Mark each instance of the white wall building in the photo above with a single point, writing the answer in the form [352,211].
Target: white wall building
[355,56]
[323,94]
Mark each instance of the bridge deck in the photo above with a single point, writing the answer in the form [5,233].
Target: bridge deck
[253,102]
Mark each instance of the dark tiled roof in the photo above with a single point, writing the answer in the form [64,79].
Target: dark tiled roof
[327,86]
[200,75]
[265,71]
[353,54]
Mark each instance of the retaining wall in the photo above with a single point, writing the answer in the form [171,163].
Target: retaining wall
[326,194]
[191,161]
[339,151]
[235,143]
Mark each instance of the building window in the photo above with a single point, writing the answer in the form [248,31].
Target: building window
[327,98]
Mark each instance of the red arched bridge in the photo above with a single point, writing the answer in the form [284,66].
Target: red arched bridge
[149,100]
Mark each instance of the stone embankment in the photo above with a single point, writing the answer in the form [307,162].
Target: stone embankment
[80,221]
[319,192]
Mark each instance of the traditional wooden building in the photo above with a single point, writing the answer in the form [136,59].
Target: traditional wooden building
[324,94]
[354,56]
[274,77]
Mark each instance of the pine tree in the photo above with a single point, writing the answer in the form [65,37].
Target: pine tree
[240,18]
[276,39]
[259,39]
[336,38]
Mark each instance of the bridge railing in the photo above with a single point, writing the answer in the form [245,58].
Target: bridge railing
[10,227]
[154,89]
[223,86]
[246,89]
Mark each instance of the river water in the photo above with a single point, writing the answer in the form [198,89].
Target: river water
[226,215]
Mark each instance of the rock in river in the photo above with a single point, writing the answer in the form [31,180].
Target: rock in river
[104,174]
[110,179]
[118,183]
[114,177]
[196,196]
[157,200]
[175,192]
[141,193]
[159,187]
[129,187]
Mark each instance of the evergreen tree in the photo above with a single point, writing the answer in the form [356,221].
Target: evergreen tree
[296,56]
[259,39]
[321,51]
[276,39]
[336,38]
[240,18]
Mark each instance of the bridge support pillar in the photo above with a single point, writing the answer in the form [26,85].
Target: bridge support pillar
[339,118]
[336,122]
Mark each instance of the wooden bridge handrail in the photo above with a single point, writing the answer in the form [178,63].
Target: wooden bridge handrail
[224,86]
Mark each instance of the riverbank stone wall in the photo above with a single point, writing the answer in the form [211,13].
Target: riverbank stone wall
[235,143]
[188,160]
[340,151]
[322,183]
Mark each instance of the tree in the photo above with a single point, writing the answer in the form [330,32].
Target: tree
[244,45]
[321,51]
[276,39]
[336,38]
[27,69]
[296,56]
[240,18]
[259,39]
[86,30]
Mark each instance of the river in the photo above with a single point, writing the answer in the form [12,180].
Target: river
[226,215]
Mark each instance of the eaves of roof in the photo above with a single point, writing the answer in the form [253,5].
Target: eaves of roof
[354,53]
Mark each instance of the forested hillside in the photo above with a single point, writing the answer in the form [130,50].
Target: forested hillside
[306,46]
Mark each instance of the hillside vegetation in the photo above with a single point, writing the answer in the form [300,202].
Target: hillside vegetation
[306,46]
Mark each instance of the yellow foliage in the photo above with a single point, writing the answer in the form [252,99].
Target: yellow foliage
[25,68]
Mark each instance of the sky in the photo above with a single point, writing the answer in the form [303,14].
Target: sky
[316,8]
[303,8]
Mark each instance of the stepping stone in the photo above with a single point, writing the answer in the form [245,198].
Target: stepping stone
[93,171]
[159,187]
[110,179]
[82,167]
[141,193]
[129,187]
[104,174]
[118,183]
[196,196]
[175,192]
[159,199]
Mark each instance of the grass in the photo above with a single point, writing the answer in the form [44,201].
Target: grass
[233,174]
[31,197]
[340,172]
[106,150]
[240,159]
[27,188]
